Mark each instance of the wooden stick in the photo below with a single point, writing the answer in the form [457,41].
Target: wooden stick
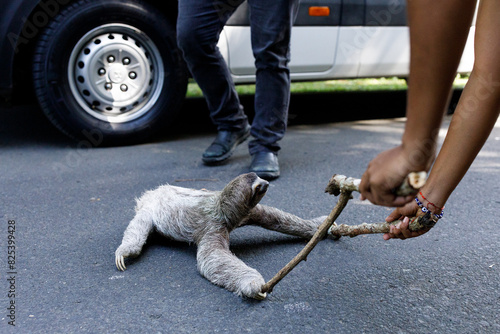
[410,185]
[416,223]
[343,186]
[317,237]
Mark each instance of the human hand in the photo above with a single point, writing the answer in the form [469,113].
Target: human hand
[384,173]
[401,230]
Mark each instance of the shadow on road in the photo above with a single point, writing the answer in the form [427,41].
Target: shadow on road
[26,124]
[305,109]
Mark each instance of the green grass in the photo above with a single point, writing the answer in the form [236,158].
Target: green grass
[331,86]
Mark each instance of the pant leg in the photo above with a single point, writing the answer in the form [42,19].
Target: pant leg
[198,29]
[271,24]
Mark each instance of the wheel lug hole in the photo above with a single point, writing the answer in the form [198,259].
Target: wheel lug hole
[123,87]
[126,61]
[108,86]
[111,59]
[132,75]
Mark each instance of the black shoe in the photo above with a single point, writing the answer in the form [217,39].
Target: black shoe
[265,165]
[224,144]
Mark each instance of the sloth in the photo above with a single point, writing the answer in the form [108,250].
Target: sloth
[206,218]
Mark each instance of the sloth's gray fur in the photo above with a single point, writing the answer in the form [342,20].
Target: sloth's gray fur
[206,218]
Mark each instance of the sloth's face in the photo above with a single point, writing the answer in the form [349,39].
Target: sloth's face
[259,188]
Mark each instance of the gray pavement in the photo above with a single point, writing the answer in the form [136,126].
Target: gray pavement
[70,205]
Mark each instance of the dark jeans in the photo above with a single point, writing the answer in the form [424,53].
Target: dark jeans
[198,28]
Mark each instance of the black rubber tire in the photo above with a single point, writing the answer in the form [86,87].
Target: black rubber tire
[50,70]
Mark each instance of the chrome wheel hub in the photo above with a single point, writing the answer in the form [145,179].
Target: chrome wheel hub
[115,73]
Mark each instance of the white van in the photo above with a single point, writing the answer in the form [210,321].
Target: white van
[112,68]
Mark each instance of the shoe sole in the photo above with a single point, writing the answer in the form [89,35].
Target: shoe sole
[268,176]
[224,157]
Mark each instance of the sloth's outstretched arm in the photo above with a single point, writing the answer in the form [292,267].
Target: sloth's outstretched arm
[284,222]
[134,238]
[223,268]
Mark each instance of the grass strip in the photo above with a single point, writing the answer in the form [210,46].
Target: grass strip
[332,86]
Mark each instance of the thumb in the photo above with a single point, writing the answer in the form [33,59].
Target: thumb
[393,216]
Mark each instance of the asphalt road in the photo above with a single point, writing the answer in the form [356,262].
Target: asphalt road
[69,206]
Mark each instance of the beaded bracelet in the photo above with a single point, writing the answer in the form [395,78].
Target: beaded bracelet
[425,210]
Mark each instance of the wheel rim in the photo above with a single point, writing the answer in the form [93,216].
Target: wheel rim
[115,73]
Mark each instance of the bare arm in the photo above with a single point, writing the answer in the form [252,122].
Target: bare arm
[438,32]
[474,118]
[477,111]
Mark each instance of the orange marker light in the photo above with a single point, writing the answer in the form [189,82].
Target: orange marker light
[319,11]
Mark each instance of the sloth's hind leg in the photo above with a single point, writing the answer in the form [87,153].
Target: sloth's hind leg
[221,267]
[134,238]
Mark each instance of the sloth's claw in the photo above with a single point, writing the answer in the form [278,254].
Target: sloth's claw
[260,296]
[120,263]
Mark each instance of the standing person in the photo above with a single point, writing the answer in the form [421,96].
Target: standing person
[438,32]
[198,28]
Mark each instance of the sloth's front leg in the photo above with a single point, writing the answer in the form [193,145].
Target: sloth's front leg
[221,267]
[284,222]
[134,238]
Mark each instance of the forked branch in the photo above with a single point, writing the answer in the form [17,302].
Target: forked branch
[344,186]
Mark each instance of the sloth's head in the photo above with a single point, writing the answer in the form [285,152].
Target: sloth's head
[259,188]
[242,194]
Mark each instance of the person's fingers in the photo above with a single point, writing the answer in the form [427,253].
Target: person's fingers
[402,200]
[393,216]
[380,197]
[401,230]
[398,231]
[403,227]
[394,230]
[378,193]
[364,184]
